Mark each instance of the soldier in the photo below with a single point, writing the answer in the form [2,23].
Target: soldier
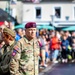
[8,36]
[25,53]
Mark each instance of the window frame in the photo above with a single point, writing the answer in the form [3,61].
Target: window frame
[60,12]
[38,17]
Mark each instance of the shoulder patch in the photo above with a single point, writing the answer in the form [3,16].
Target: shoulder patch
[14,52]
[16,48]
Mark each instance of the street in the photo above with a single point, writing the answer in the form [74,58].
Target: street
[61,69]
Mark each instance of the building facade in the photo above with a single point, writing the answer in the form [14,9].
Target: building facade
[58,13]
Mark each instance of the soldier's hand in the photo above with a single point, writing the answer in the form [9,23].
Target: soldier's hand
[36,54]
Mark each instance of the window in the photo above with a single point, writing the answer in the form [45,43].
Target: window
[58,12]
[38,13]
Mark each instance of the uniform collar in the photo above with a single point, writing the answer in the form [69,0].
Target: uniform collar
[30,42]
[11,42]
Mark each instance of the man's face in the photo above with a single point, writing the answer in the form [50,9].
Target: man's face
[20,32]
[31,32]
[67,33]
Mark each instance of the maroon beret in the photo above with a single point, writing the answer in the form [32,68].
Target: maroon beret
[30,25]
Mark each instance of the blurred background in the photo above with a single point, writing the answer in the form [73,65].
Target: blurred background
[57,14]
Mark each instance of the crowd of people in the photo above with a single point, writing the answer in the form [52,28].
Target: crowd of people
[58,46]
[24,50]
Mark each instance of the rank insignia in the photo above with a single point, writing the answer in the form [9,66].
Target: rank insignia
[14,53]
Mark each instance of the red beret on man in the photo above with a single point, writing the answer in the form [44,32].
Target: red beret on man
[30,25]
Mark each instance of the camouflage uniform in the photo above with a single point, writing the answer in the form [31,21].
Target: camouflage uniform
[5,55]
[25,58]
[6,51]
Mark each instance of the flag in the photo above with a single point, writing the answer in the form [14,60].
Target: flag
[36,1]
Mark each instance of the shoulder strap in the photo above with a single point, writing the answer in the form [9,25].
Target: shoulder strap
[13,45]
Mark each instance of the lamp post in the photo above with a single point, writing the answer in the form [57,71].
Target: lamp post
[9,6]
[52,19]
[7,9]
[8,13]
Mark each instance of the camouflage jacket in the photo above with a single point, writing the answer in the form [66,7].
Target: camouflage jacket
[25,57]
[5,56]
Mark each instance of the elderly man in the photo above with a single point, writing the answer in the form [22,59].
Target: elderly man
[8,36]
[25,53]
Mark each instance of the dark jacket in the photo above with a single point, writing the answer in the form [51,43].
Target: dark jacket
[65,43]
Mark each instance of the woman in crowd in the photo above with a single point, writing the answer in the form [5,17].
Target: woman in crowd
[54,47]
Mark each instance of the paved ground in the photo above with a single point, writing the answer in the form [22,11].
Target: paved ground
[59,69]
[42,69]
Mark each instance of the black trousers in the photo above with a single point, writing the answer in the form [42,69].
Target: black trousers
[64,53]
